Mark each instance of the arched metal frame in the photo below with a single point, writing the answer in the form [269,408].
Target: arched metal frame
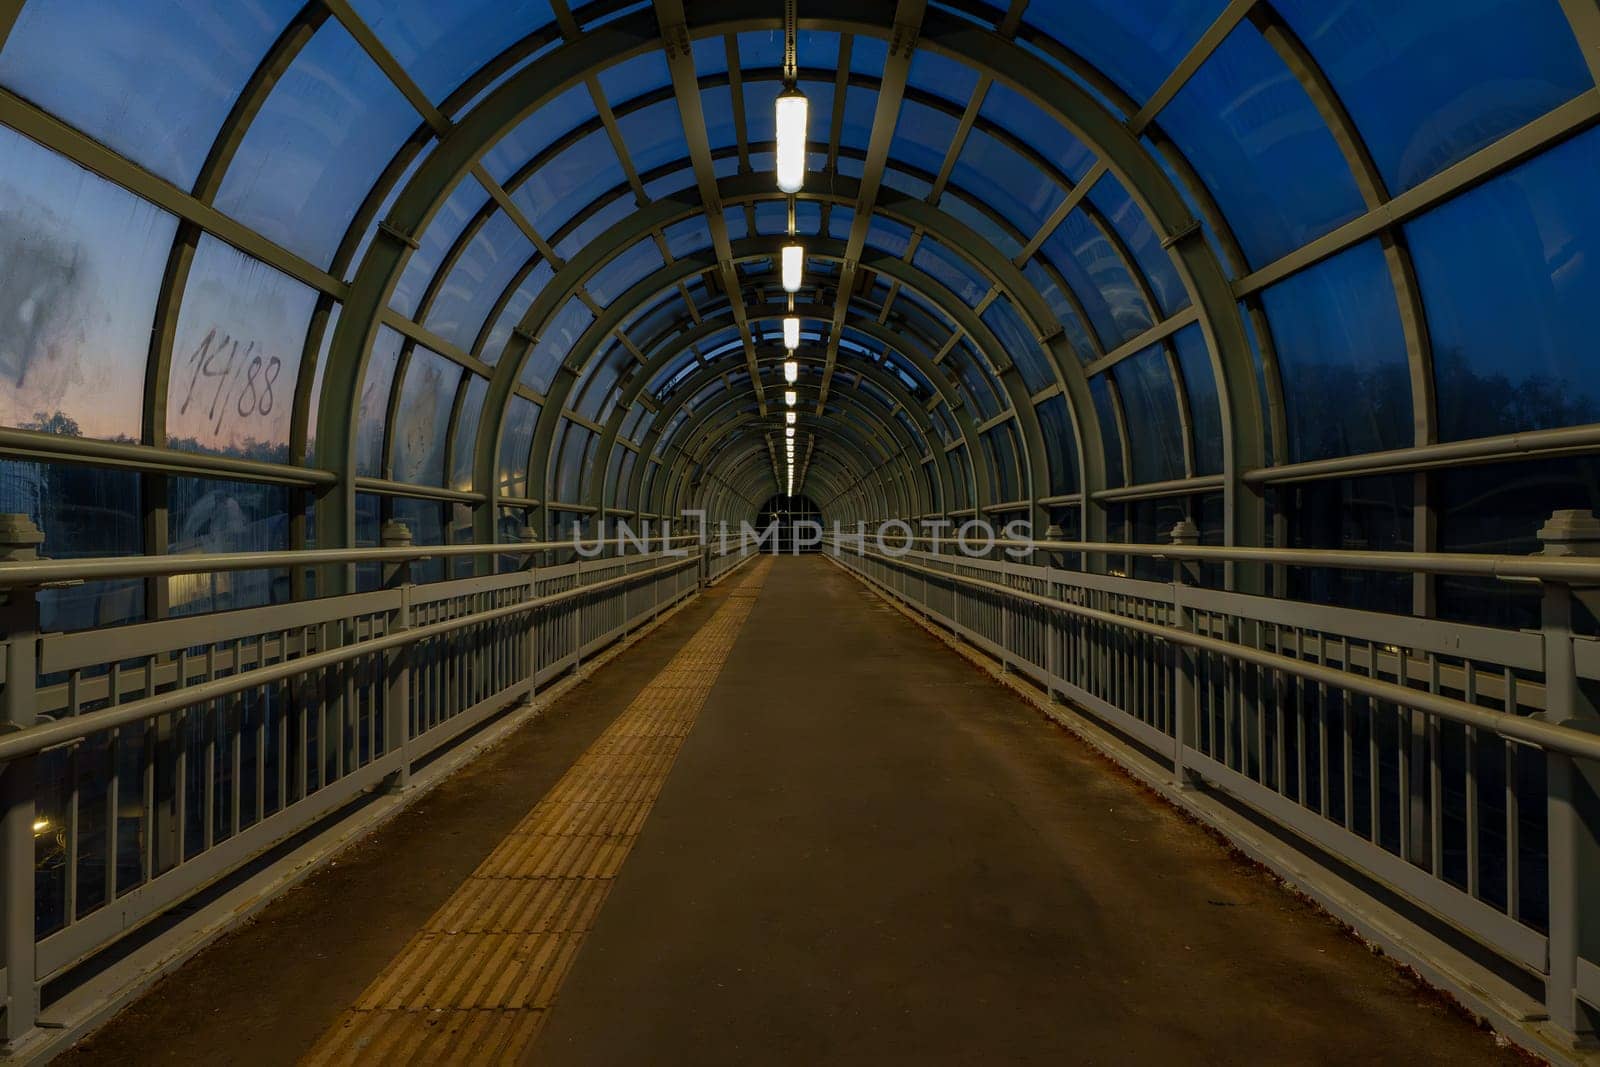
[462,125]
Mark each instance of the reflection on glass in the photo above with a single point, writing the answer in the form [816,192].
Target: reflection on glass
[374,406]
[206,517]
[422,418]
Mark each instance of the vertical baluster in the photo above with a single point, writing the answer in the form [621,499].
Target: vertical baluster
[1470,695]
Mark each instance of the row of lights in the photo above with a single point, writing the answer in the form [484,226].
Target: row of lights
[792,114]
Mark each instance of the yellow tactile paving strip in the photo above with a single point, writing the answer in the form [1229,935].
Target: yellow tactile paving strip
[476,982]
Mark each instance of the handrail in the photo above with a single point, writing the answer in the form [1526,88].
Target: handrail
[1545,735]
[32,740]
[1574,569]
[50,571]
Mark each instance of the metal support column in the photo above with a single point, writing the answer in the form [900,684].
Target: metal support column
[19,542]
[398,661]
[1185,661]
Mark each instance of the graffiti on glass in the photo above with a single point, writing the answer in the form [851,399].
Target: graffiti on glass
[244,380]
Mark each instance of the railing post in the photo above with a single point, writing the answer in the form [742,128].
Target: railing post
[1185,573]
[530,637]
[1054,560]
[19,542]
[397,694]
[1572,789]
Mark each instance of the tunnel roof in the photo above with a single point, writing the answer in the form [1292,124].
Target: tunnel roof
[521,256]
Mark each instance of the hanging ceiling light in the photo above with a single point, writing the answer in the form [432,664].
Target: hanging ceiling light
[791,333]
[793,261]
[791,371]
[791,163]
[790,432]
[791,418]
[789,397]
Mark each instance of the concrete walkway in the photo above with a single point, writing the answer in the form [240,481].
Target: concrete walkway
[866,852]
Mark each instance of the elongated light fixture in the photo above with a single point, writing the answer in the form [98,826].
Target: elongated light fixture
[789,397]
[793,261]
[790,432]
[791,371]
[791,418]
[791,333]
[791,163]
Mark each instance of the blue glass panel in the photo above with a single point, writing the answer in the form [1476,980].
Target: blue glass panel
[950,270]
[915,188]
[772,217]
[710,56]
[422,418]
[435,243]
[653,135]
[477,281]
[961,208]
[1032,363]
[373,407]
[1136,42]
[602,219]
[516,439]
[539,131]
[439,45]
[888,236]
[1346,382]
[1428,84]
[555,341]
[1010,110]
[716,104]
[315,402]
[922,137]
[600,381]
[307,161]
[383,209]
[1150,404]
[860,106]
[975,381]
[572,179]
[235,355]
[81,263]
[465,441]
[807,218]
[1060,445]
[942,76]
[738,225]
[626,270]
[1000,447]
[1509,274]
[1200,385]
[516,306]
[867,56]
[688,237]
[1131,225]
[1079,251]
[1054,295]
[1106,413]
[1256,140]
[635,77]
[1007,182]
[153,81]
[760,111]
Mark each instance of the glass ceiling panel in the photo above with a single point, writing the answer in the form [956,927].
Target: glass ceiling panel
[1254,137]
[627,269]
[308,159]
[485,267]
[1007,182]
[439,45]
[1025,120]
[554,193]
[1060,446]
[614,211]
[517,305]
[1133,227]
[867,56]
[516,440]
[1509,273]
[855,128]
[760,111]
[1079,251]
[963,209]
[1033,364]
[81,263]
[1110,441]
[653,135]
[555,342]
[1054,294]
[422,418]
[538,132]
[950,270]
[1509,61]
[943,77]
[716,103]
[465,442]
[153,81]
[373,408]
[888,236]
[922,137]
[642,74]
[1137,43]
[466,200]
[975,381]
[600,380]
[236,353]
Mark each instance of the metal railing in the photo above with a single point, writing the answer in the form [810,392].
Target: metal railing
[1455,766]
[145,762]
